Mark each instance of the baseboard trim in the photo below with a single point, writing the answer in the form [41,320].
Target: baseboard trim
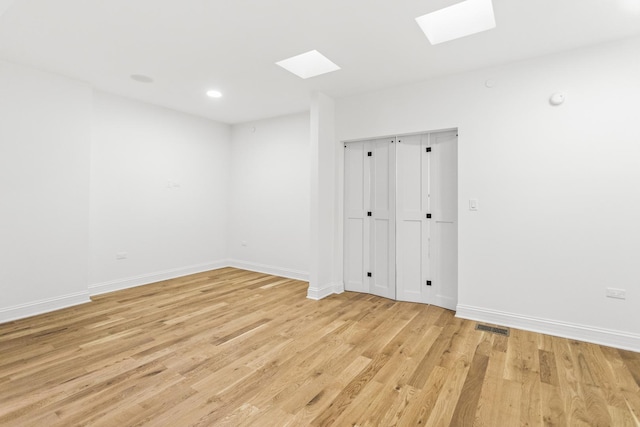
[269,269]
[323,292]
[44,306]
[35,308]
[607,337]
[145,279]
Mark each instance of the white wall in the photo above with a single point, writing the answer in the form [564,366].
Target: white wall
[558,187]
[44,183]
[86,176]
[269,196]
[5,5]
[159,193]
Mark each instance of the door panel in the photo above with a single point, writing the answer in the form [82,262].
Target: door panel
[427,247]
[383,231]
[381,281]
[370,187]
[410,257]
[356,228]
[410,249]
[444,239]
[445,278]
[354,255]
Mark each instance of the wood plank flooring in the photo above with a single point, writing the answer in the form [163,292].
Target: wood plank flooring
[236,348]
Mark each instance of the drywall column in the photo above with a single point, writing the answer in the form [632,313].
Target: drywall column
[323,206]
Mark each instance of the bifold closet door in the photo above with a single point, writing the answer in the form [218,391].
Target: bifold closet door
[357,198]
[413,227]
[369,226]
[427,219]
[444,223]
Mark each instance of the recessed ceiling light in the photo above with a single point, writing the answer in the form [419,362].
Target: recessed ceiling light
[459,20]
[141,78]
[214,94]
[309,64]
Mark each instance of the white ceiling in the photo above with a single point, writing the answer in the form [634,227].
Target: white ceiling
[190,46]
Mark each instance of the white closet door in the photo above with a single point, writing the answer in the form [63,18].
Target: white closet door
[427,240]
[412,206]
[357,231]
[369,225]
[401,218]
[383,255]
[444,222]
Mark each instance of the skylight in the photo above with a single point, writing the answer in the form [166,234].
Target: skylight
[459,20]
[309,64]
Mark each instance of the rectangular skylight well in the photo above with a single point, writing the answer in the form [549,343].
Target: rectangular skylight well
[458,20]
[309,64]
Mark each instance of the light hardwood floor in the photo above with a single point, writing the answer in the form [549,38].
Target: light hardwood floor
[231,347]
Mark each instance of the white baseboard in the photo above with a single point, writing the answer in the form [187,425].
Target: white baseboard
[43,306]
[145,279]
[607,337]
[323,292]
[268,269]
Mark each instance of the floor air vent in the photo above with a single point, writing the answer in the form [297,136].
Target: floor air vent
[487,328]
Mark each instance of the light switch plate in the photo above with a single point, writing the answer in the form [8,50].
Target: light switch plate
[473,204]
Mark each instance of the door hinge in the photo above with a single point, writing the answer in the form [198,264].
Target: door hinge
[428,215]
[428,149]
[369,153]
[428,282]
[368,213]
[368,274]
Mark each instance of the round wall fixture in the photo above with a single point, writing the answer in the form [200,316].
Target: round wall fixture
[557,99]
[141,78]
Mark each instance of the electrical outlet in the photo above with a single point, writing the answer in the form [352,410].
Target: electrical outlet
[616,293]
[121,255]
